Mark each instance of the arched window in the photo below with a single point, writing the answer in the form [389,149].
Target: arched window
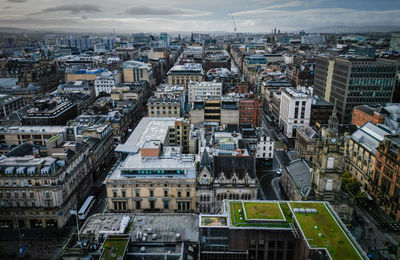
[330,163]
[234,180]
[329,185]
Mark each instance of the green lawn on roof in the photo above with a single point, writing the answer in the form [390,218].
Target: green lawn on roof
[262,210]
[286,212]
[235,218]
[332,237]
[114,248]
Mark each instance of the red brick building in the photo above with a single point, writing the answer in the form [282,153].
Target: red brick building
[242,88]
[250,112]
[364,113]
[386,175]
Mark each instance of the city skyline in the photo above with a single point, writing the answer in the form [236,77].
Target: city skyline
[157,16]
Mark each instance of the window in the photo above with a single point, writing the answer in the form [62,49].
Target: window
[137,193]
[165,193]
[166,204]
[31,195]
[329,185]
[114,194]
[187,193]
[137,204]
[330,163]
[151,193]
[123,194]
[179,194]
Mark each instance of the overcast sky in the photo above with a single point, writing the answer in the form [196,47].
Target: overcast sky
[200,15]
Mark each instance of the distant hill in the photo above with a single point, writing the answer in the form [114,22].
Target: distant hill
[355,29]
[11,30]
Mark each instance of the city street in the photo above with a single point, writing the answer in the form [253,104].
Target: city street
[269,181]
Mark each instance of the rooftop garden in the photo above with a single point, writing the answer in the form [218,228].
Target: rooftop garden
[114,247]
[213,221]
[263,210]
[238,218]
[322,231]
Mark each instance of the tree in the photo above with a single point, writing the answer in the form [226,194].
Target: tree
[352,186]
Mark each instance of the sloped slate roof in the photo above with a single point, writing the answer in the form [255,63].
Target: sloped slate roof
[230,164]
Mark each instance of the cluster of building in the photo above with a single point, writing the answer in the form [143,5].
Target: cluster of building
[181,125]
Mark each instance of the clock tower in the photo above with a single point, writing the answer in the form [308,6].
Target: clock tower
[328,169]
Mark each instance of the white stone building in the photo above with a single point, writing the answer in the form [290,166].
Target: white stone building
[295,110]
[107,81]
[204,90]
[265,145]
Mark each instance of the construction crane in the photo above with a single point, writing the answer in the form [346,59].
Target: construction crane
[234,25]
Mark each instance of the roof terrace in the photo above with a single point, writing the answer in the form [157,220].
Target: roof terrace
[317,222]
[323,229]
[262,214]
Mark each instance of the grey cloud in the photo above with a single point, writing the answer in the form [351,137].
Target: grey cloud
[16,1]
[85,8]
[173,11]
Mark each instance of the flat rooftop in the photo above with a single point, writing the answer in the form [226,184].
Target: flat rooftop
[213,221]
[317,222]
[166,226]
[114,247]
[323,229]
[166,166]
[33,129]
[149,128]
[258,214]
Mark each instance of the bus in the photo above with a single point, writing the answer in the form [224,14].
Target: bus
[84,210]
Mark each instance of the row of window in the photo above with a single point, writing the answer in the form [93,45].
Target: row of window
[164,112]
[19,203]
[181,205]
[169,107]
[224,196]
[151,193]
[22,183]
[7,194]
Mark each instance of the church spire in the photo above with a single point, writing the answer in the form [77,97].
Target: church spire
[333,121]
[205,160]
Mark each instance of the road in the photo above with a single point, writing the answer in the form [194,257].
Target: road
[269,181]
[373,235]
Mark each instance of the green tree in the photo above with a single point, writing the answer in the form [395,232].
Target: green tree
[352,186]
